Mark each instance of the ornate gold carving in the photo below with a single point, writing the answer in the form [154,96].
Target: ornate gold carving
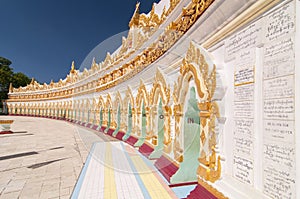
[211,189]
[6,121]
[193,65]
[210,170]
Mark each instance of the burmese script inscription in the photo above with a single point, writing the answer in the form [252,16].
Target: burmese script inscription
[279,169]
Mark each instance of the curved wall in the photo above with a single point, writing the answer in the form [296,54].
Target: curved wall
[185,93]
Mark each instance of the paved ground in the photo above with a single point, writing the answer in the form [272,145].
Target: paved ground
[118,171]
[43,159]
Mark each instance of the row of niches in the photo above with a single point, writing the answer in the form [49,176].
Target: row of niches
[72,86]
[179,122]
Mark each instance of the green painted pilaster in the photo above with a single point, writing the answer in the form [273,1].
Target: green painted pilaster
[158,150]
[129,124]
[187,171]
[108,121]
[100,119]
[118,122]
[144,128]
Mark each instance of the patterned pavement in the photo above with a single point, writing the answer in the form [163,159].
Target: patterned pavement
[116,170]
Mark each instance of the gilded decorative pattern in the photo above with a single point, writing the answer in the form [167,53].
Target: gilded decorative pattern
[153,52]
[6,121]
[194,66]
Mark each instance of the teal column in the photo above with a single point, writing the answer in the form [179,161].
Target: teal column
[158,150]
[118,122]
[129,123]
[108,121]
[144,128]
[187,171]
[100,119]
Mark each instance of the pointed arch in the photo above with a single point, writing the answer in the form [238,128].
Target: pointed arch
[108,102]
[128,97]
[101,102]
[142,95]
[197,66]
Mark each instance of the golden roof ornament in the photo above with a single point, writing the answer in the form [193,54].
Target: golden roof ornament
[152,12]
[94,65]
[32,81]
[94,61]
[72,67]
[136,16]
[164,14]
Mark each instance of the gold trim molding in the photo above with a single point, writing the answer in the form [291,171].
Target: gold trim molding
[244,18]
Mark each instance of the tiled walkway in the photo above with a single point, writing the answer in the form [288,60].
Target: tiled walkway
[116,170]
[43,158]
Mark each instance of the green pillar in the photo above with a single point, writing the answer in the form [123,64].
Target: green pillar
[144,127]
[108,121]
[187,171]
[129,123]
[100,119]
[158,150]
[118,122]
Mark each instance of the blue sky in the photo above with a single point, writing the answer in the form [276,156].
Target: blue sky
[43,37]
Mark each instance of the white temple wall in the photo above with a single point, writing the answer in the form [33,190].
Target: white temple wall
[297,95]
[256,178]
[257,130]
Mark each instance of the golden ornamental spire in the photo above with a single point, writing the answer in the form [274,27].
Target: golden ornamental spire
[72,67]
[136,16]
[152,12]
[32,81]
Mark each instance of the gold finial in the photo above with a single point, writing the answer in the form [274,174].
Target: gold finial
[72,67]
[164,13]
[152,12]
[32,81]
[136,16]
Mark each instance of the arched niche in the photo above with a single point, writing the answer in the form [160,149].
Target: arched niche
[82,109]
[198,71]
[75,110]
[87,112]
[142,114]
[100,107]
[160,115]
[108,113]
[93,112]
[129,119]
[117,107]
